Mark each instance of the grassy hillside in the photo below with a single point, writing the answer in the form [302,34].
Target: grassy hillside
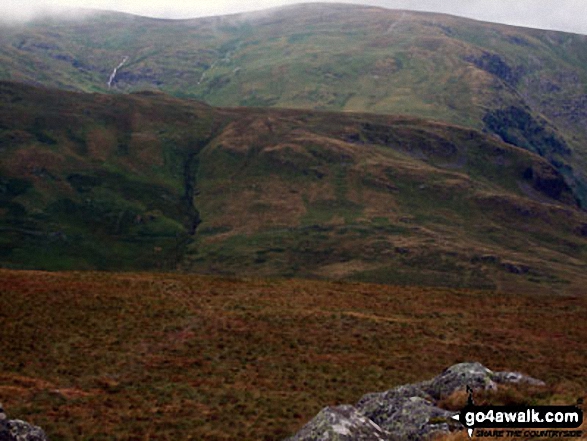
[147,181]
[163,356]
[526,86]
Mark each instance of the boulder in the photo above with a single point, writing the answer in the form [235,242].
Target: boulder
[17,430]
[515,378]
[341,423]
[408,412]
[458,377]
[408,418]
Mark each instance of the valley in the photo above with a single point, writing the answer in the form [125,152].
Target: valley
[214,228]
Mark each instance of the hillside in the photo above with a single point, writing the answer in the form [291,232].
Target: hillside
[147,181]
[526,86]
[209,358]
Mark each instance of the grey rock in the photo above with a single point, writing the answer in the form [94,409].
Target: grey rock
[409,418]
[17,430]
[392,395]
[406,412]
[341,423]
[385,406]
[516,378]
[458,377]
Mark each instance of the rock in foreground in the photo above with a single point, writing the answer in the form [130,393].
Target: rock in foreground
[342,423]
[17,430]
[408,412]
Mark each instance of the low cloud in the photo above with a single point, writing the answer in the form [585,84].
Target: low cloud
[565,15]
[12,11]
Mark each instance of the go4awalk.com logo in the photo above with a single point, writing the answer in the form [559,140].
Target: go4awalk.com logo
[521,421]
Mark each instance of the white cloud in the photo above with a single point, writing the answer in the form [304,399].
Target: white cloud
[567,15]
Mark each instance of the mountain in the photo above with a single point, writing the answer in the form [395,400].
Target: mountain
[148,181]
[526,86]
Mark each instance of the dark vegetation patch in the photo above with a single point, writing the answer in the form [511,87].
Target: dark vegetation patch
[83,183]
[547,181]
[498,66]
[376,134]
[519,41]
[137,77]
[12,187]
[517,126]
[14,138]
[79,138]
[40,131]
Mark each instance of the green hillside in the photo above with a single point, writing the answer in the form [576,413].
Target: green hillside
[148,181]
[526,86]
[169,189]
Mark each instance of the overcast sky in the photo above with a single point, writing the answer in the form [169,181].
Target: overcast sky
[565,15]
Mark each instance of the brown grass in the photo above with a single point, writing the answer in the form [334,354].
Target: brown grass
[166,356]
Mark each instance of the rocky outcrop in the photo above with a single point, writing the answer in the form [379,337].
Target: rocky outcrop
[408,412]
[342,423]
[17,430]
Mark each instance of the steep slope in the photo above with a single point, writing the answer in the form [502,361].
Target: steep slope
[526,86]
[146,181]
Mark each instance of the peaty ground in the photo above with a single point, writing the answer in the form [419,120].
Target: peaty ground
[135,356]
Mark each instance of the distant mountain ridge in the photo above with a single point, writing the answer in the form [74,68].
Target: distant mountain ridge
[147,181]
[524,85]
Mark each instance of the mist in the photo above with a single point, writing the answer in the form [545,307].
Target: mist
[13,12]
[563,15]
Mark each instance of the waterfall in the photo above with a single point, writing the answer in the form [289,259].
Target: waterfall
[113,74]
